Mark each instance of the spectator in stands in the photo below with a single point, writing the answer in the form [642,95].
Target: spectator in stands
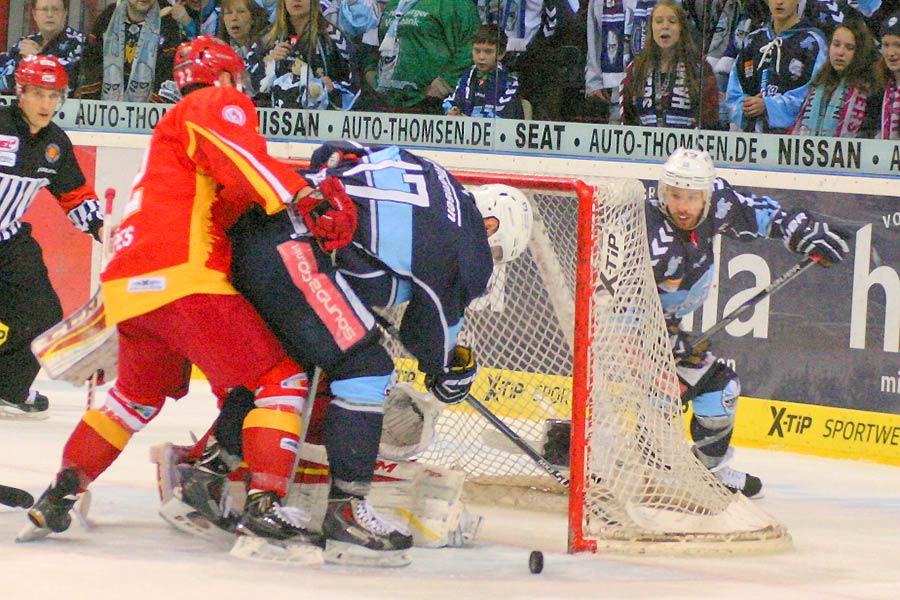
[488,89]
[129,52]
[195,17]
[242,24]
[772,73]
[842,98]
[53,38]
[616,34]
[547,50]
[889,74]
[304,61]
[424,47]
[719,30]
[669,84]
[270,6]
[355,18]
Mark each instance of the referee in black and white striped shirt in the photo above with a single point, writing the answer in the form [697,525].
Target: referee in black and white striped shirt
[34,153]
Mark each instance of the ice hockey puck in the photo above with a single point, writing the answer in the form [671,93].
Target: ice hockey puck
[536,561]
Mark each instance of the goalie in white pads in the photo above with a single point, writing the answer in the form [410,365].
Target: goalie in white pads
[313,274]
[692,206]
[423,499]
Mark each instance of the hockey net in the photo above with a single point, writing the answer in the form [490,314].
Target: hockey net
[571,335]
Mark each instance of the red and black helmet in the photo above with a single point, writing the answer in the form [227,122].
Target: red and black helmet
[41,70]
[201,60]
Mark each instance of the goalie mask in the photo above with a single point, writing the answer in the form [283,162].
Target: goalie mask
[687,169]
[508,213]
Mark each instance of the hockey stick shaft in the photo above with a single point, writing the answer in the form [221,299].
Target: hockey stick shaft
[691,391]
[105,253]
[770,289]
[494,420]
[516,439]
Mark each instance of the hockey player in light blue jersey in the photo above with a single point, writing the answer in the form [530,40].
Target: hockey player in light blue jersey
[692,206]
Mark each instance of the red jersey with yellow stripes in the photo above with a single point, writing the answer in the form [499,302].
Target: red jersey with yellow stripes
[206,165]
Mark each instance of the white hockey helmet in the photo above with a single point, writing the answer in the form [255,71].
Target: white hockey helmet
[512,210]
[687,169]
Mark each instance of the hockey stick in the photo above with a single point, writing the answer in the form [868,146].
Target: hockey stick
[691,391]
[770,289]
[517,440]
[105,254]
[15,497]
[494,420]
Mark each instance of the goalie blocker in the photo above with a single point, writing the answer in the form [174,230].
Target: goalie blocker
[426,499]
[79,345]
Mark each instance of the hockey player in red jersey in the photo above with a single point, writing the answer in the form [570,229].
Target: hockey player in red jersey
[34,153]
[167,288]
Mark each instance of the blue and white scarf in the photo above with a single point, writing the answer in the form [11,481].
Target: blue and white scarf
[143,64]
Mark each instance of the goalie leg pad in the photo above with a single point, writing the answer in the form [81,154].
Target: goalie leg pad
[167,457]
[428,500]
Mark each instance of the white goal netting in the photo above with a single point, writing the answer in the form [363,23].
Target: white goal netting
[571,335]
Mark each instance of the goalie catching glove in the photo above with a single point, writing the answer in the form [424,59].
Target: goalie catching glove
[329,214]
[804,234]
[453,386]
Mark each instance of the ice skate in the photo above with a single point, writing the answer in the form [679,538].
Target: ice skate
[355,534]
[738,481]
[268,531]
[51,513]
[204,486]
[35,407]
[194,496]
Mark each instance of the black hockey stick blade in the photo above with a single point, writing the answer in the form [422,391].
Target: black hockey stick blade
[517,440]
[15,497]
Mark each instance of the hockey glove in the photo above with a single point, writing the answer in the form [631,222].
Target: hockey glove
[453,387]
[329,213]
[683,347]
[804,234]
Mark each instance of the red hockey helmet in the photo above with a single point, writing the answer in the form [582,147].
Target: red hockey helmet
[201,60]
[41,70]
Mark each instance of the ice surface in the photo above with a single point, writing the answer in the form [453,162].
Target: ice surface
[844,517]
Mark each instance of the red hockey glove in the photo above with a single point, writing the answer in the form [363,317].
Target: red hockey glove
[330,214]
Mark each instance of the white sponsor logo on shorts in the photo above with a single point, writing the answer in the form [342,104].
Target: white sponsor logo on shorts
[147,284]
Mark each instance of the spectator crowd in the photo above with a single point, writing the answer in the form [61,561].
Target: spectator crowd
[804,67]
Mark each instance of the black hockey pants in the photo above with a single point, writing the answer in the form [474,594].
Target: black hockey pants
[28,307]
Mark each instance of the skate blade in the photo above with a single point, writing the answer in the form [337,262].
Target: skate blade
[343,553]
[31,533]
[184,518]
[280,551]
[8,413]
[81,507]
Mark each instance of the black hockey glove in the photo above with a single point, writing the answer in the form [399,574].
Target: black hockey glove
[683,347]
[453,387]
[804,234]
